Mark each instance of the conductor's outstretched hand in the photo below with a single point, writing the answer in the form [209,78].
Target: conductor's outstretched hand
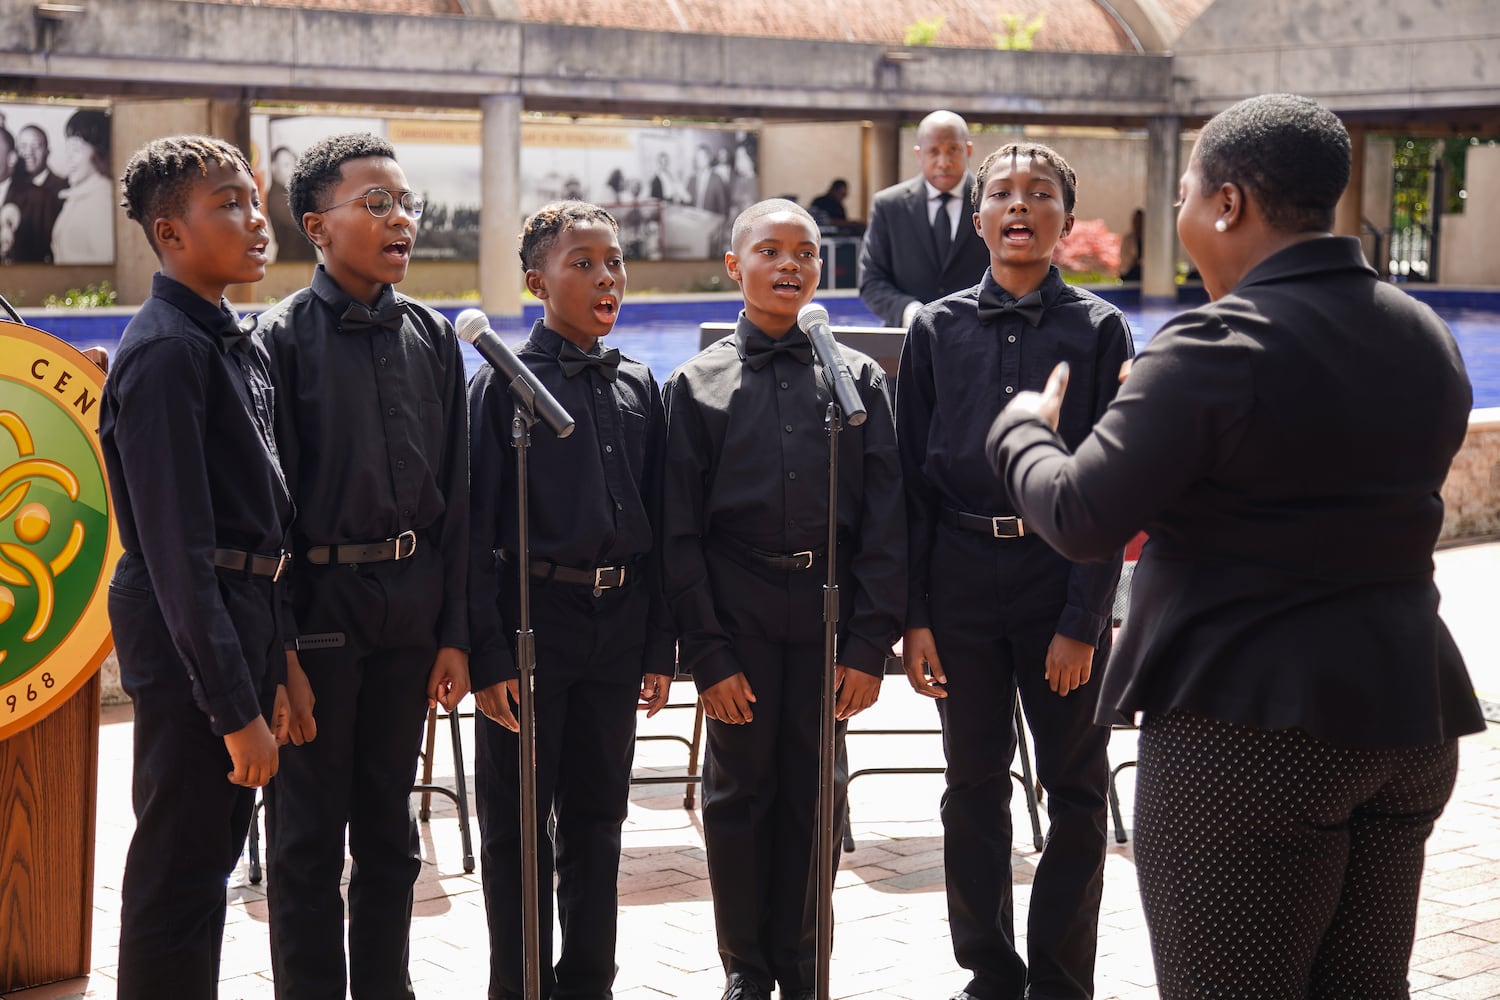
[730,700]
[1047,404]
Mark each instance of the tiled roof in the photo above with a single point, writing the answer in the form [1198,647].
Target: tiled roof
[1066,25]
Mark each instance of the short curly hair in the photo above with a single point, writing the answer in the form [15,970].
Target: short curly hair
[320,168]
[761,209]
[1290,154]
[546,224]
[1033,151]
[159,176]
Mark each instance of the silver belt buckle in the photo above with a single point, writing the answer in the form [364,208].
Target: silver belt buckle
[807,555]
[600,586]
[995,523]
[406,544]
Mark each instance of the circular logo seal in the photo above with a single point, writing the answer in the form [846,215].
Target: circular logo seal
[58,543]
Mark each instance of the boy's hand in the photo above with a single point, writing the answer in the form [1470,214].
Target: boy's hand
[857,691]
[253,751]
[303,727]
[1047,405]
[1125,367]
[1070,663]
[449,680]
[281,717]
[923,668]
[729,701]
[495,701]
[654,691]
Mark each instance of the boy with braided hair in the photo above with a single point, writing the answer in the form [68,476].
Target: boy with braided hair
[186,426]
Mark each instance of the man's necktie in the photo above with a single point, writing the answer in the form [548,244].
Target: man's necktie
[758,352]
[942,228]
[575,359]
[360,317]
[992,307]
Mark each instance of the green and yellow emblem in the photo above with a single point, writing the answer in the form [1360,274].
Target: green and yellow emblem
[58,542]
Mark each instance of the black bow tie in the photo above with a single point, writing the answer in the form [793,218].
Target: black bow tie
[235,334]
[359,317]
[992,307]
[759,351]
[575,359]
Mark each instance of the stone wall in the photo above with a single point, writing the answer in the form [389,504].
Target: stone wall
[1472,493]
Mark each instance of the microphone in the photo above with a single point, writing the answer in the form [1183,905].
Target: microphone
[813,319]
[473,326]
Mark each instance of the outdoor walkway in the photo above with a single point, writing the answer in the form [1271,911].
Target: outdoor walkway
[892,940]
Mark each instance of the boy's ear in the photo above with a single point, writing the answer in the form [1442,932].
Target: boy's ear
[1231,204]
[536,283]
[1066,229]
[732,265]
[166,234]
[312,222]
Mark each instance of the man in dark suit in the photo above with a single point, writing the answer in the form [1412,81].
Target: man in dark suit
[15,190]
[920,243]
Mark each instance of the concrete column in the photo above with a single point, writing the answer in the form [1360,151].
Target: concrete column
[880,162]
[1159,259]
[500,204]
[1348,216]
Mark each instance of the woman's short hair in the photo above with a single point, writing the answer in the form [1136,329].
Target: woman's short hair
[1289,153]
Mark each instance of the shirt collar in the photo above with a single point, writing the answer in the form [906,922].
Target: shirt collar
[549,342]
[218,321]
[957,192]
[1314,256]
[325,288]
[1052,286]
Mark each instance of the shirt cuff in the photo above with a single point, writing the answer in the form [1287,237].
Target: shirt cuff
[490,667]
[718,665]
[1082,625]
[859,653]
[233,710]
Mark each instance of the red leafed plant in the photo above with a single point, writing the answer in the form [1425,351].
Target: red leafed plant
[1090,247]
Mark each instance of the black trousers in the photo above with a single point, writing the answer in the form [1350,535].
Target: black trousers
[190,821]
[760,792]
[1273,865]
[587,686]
[995,608]
[356,775]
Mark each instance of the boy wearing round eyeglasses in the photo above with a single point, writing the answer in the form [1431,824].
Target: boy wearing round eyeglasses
[372,426]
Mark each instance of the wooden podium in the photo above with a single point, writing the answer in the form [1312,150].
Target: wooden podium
[58,546]
[48,777]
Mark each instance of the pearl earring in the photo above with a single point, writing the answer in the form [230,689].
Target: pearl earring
[1221,225]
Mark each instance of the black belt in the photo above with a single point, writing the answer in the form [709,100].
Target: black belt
[1008,526]
[601,578]
[780,562]
[349,553]
[253,563]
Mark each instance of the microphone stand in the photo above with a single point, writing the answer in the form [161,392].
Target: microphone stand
[520,438]
[826,859]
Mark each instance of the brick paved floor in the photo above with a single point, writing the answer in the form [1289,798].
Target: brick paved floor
[892,941]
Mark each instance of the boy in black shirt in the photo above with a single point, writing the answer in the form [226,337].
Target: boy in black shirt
[992,609]
[186,429]
[373,431]
[602,636]
[746,510]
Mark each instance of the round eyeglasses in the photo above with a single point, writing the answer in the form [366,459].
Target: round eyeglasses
[379,202]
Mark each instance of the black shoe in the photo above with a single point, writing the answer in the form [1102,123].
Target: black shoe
[739,987]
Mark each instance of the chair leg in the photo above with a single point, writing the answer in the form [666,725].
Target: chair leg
[424,813]
[255,811]
[695,750]
[462,784]
[1028,780]
[1114,800]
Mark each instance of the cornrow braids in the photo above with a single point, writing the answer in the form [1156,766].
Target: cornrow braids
[1031,151]
[158,177]
[546,224]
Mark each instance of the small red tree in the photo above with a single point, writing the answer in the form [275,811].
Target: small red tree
[1090,247]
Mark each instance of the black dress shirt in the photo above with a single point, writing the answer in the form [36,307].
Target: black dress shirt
[595,495]
[185,423]
[373,428]
[747,468]
[1284,446]
[957,374]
